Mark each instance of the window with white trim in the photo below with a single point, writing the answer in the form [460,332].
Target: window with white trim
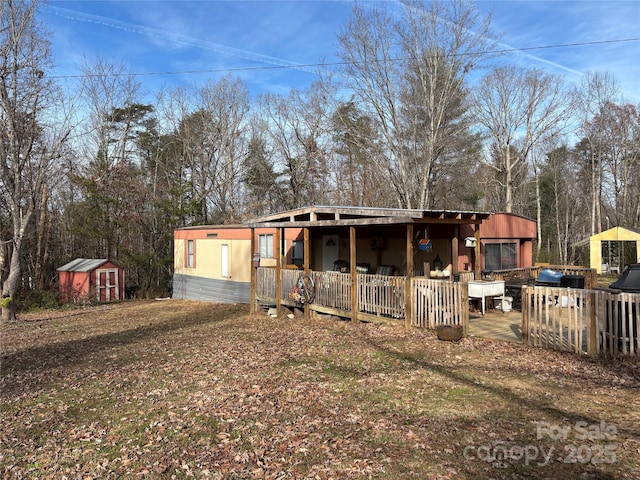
[191,254]
[265,245]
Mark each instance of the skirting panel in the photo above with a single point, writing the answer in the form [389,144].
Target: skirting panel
[186,287]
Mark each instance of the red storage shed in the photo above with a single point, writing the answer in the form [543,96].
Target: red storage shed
[93,279]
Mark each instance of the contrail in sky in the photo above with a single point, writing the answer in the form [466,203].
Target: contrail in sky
[176,38]
[507,47]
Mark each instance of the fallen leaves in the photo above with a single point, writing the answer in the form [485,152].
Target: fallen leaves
[186,389]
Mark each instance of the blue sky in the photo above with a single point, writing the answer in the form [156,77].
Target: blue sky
[190,42]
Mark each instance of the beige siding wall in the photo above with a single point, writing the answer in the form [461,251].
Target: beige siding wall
[208,259]
[179,256]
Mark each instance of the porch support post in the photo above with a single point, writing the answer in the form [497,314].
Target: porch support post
[354,274]
[252,294]
[278,255]
[306,245]
[408,301]
[454,250]
[476,254]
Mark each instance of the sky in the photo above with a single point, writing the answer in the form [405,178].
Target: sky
[273,46]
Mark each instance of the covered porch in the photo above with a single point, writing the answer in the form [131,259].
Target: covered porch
[368,263]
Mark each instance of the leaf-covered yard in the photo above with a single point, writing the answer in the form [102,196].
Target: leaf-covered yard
[177,389]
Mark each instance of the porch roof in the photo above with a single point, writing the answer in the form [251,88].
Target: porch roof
[319,216]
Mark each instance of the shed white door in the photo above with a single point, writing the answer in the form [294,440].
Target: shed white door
[107,288]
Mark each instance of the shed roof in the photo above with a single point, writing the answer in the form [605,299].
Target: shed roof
[616,234]
[83,265]
[319,216]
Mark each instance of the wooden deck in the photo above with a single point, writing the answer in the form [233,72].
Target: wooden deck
[591,322]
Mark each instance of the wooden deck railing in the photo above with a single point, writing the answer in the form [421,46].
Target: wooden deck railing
[619,322]
[569,319]
[522,274]
[381,295]
[333,290]
[265,283]
[557,319]
[466,277]
[288,282]
[433,302]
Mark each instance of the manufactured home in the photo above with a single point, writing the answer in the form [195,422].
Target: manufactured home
[215,263]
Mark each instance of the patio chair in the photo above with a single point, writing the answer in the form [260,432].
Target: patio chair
[385,270]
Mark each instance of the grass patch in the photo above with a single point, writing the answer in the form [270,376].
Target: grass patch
[187,389]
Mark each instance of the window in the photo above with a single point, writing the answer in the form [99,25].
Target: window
[191,254]
[500,256]
[265,244]
[297,252]
[224,261]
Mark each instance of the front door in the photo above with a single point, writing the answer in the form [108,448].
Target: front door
[330,251]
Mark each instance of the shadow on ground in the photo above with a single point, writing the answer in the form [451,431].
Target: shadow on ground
[497,325]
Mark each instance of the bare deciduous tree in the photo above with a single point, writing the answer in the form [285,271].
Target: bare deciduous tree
[596,90]
[618,136]
[211,132]
[518,108]
[226,105]
[409,75]
[297,127]
[27,147]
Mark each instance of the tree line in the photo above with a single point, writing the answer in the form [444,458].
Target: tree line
[92,170]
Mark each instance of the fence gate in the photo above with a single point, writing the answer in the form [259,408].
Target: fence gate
[590,322]
[439,302]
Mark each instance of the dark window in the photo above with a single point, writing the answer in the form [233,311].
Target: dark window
[297,254]
[500,256]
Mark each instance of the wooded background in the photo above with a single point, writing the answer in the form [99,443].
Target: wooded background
[422,113]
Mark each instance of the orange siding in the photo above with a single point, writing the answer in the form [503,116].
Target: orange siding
[525,257]
[503,225]
[500,227]
[232,233]
[237,232]
[506,225]
[223,233]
